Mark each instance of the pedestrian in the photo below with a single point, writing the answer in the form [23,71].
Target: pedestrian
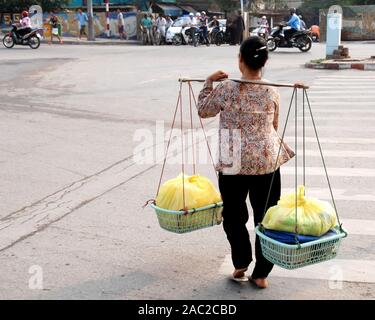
[146,26]
[82,22]
[253,110]
[169,22]
[239,25]
[121,24]
[54,23]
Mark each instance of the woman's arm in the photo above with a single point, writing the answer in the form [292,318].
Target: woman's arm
[210,100]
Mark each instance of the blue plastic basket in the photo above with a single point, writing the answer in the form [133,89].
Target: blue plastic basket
[187,221]
[293,256]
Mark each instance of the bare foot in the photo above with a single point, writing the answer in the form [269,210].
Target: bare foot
[261,283]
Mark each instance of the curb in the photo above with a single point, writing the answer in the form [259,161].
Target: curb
[94,43]
[341,66]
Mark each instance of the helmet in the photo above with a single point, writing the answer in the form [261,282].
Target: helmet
[204,13]
[198,14]
[264,17]
[292,10]
[214,17]
[25,14]
[191,14]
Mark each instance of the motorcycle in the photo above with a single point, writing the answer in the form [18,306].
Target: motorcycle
[300,39]
[186,37]
[313,35]
[221,37]
[31,39]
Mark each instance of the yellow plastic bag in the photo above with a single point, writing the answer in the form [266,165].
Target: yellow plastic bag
[199,192]
[314,217]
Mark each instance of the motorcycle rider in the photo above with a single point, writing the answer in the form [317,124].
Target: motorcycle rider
[203,25]
[264,26]
[25,25]
[295,25]
[191,26]
[303,24]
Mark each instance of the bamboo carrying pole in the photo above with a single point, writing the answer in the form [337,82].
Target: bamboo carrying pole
[264,83]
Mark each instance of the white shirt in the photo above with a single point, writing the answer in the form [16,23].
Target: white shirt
[120,19]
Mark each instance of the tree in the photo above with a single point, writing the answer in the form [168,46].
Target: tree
[228,5]
[19,5]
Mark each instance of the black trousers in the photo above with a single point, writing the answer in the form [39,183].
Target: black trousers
[234,191]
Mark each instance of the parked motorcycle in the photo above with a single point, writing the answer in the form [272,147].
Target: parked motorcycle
[221,37]
[32,39]
[300,39]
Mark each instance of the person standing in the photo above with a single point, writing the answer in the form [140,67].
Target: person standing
[121,24]
[239,28]
[82,22]
[249,158]
[54,23]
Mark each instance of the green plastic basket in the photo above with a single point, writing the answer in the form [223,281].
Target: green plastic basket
[195,219]
[289,256]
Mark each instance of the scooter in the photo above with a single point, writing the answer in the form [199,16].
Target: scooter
[300,39]
[31,39]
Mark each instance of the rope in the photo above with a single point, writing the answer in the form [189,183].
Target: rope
[323,161]
[192,130]
[169,140]
[182,155]
[296,161]
[278,154]
[204,132]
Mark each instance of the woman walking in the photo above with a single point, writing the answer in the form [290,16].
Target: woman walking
[253,110]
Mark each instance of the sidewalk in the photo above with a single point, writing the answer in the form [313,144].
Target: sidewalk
[98,41]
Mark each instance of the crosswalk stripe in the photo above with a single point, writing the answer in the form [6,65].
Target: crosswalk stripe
[336,140]
[342,153]
[333,172]
[333,270]
[339,194]
[342,111]
[344,117]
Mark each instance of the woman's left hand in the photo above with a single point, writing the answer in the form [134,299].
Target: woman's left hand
[218,75]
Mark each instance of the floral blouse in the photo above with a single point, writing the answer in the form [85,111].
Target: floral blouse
[249,114]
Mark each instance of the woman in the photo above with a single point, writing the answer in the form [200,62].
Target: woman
[54,23]
[253,110]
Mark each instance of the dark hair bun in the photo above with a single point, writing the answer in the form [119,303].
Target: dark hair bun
[254,52]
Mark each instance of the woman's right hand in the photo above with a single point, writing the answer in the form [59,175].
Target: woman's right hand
[299,85]
[218,75]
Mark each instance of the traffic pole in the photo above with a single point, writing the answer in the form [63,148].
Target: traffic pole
[107,17]
[90,14]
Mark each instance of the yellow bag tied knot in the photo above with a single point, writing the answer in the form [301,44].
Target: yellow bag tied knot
[314,217]
[199,192]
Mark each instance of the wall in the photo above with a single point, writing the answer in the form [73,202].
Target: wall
[70,25]
[358,23]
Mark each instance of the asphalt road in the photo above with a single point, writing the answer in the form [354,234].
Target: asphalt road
[71,195]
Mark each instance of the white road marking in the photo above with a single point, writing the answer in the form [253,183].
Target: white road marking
[147,81]
[342,111]
[335,140]
[339,195]
[334,270]
[341,153]
[332,172]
